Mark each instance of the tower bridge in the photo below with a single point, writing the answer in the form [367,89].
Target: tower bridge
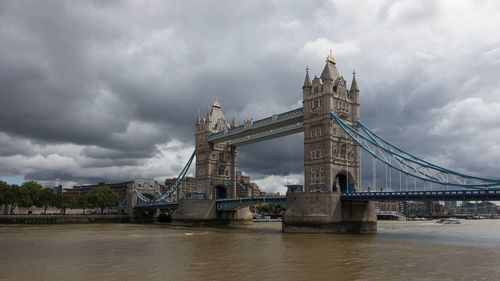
[333,199]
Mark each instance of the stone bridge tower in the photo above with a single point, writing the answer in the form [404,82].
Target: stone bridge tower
[215,163]
[330,157]
[331,161]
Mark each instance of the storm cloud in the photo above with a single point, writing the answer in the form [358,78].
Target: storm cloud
[108,91]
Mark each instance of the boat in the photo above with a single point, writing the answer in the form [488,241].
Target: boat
[451,220]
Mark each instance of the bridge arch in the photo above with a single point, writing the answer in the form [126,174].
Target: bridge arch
[221,192]
[344,182]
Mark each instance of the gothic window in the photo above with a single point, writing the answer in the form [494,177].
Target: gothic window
[317,153]
[316,90]
[316,104]
[221,156]
[342,151]
[219,126]
[321,177]
[221,170]
[351,155]
[317,176]
[317,132]
[313,176]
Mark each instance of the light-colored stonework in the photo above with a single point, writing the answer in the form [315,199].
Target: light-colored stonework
[330,157]
[215,163]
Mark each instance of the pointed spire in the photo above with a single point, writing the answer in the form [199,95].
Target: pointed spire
[330,57]
[233,122]
[207,117]
[198,118]
[330,71]
[354,84]
[307,81]
[216,103]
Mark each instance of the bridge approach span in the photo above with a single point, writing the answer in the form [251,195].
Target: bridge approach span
[452,195]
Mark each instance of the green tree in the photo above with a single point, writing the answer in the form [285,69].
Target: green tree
[45,198]
[83,202]
[25,196]
[9,198]
[3,192]
[30,194]
[102,197]
[66,202]
[12,195]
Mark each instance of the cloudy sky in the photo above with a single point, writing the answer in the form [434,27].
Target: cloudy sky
[109,90]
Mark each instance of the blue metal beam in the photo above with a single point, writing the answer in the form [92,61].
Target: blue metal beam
[169,205]
[456,195]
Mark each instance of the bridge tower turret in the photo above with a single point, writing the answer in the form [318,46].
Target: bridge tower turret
[330,157]
[215,163]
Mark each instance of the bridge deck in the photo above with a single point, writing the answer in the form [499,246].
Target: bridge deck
[169,205]
[236,203]
[286,123]
[458,195]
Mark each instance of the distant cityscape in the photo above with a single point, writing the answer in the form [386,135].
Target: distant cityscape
[246,188]
[125,194]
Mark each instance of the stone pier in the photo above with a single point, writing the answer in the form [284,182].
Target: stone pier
[325,212]
[195,212]
[204,212]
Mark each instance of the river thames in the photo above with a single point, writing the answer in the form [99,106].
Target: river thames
[399,251]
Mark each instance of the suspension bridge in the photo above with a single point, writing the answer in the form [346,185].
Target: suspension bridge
[335,142]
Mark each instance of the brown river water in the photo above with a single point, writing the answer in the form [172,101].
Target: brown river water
[399,251]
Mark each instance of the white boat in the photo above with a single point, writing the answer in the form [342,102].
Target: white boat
[451,220]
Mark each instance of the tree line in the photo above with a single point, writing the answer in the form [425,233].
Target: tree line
[31,194]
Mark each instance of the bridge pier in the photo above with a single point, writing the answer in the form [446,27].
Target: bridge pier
[241,215]
[325,212]
[192,211]
[200,212]
[144,216]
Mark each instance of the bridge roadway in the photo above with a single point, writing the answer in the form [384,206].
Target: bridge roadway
[452,195]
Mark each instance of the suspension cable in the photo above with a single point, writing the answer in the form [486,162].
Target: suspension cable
[408,163]
[374,175]
[359,174]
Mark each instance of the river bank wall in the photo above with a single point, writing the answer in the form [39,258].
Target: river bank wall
[63,219]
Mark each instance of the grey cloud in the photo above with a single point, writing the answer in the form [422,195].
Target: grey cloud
[120,79]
